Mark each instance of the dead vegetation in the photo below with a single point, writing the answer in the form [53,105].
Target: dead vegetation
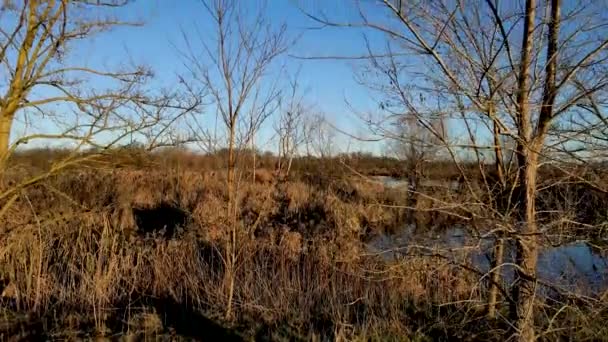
[91,253]
[92,256]
[126,231]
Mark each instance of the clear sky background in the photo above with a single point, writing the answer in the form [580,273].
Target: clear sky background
[328,83]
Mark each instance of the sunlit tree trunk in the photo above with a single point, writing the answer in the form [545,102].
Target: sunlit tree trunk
[526,244]
[16,91]
[231,245]
[5,134]
[526,248]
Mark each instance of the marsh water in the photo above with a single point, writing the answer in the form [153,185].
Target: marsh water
[572,265]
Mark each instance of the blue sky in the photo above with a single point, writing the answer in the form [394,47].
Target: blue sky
[328,83]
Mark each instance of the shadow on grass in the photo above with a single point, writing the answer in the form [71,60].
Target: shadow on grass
[188,323]
[178,322]
[164,219]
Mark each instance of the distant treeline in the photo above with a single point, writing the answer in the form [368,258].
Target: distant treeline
[347,163]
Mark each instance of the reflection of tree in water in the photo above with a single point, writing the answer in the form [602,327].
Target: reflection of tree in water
[575,265]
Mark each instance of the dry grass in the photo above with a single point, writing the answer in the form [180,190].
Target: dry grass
[73,254]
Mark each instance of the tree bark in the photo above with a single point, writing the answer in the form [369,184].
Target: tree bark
[526,257]
[253,154]
[16,90]
[527,149]
[500,166]
[496,276]
[6,123]
[231,245]
[499,243]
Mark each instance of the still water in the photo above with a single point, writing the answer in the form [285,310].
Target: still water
[576,265]
[573,266]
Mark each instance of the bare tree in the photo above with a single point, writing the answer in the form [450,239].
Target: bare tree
[264,104]
[81,107]
[320,136]
[291,127]
[518,70]
[243,49]
[413,135]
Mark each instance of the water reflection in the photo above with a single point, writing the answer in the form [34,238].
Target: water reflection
[574,266]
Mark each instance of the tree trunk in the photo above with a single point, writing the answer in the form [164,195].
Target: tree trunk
[289,165]
[500,173]
[231,170]
[231,243]
[6,123]
[526,244]
[527,153]
[254,153]
[496,276]
[16,90]
[412,195]
[499,243]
